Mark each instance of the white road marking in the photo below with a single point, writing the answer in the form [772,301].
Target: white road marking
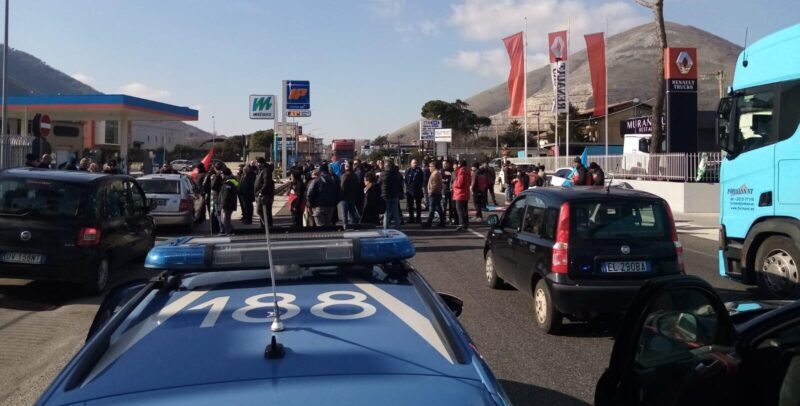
[699,252]
[419,323]
[477,234]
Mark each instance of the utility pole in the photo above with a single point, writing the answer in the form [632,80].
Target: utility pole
[4,120]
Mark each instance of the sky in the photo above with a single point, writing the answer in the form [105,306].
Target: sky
[372,63]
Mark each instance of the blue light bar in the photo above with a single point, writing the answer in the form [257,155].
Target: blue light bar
[353,247]
[392,246]
[176,257]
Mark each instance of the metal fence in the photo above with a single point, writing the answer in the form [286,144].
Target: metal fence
[682,167]
[15,148]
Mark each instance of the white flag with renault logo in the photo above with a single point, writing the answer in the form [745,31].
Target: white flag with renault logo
[557,48]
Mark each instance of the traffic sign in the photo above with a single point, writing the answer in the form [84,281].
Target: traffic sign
[443,135]
[40,125]
[427,128]
[298,95]
[44,126]
[262,106]
[298,113]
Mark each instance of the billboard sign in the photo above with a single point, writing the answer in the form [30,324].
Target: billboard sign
[427,129]
[298,95]
[262,106]
[443,135]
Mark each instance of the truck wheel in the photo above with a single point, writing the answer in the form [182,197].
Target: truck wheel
[547,317]
[492,280]
[98,280]
[776,268]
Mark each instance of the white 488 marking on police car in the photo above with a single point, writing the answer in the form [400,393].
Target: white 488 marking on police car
[286,302]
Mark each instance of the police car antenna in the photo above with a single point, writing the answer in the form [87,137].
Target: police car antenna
[610,181]
[274,349]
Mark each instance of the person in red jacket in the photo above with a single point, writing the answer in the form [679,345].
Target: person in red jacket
[461,185]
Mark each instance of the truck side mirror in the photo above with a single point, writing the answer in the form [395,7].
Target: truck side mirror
[725,125]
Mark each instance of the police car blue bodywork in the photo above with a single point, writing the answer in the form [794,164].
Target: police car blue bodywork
[349,339]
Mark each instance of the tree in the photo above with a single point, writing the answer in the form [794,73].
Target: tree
[261,140]
[381,140]
[513,134]
[657,6]
[575,128]
[457,116]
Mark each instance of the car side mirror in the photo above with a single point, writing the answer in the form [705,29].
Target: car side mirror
[493,220]
[114,301]
[453,303]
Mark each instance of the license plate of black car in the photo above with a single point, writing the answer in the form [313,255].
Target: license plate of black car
[22,258]
[625,266]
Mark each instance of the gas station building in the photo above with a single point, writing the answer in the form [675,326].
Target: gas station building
[96,125]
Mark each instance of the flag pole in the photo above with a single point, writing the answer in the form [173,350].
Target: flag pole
[605,53]
[566,83]
[525,87]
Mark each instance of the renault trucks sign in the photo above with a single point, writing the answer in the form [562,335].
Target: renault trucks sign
[262,107]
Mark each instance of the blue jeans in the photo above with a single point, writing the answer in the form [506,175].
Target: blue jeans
[392,213]
[349,213]
[435,206]
[509,193]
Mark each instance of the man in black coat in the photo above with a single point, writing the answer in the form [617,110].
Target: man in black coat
[247,193]
[414,180]
[265,191]
[324,193]
[391,191]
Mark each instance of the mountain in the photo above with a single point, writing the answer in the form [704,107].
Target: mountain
[631,57]
[29,75]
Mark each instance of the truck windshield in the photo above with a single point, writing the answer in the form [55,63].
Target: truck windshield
[44,198]
[619,219]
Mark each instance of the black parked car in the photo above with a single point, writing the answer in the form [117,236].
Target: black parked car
[70,226]
[581,252]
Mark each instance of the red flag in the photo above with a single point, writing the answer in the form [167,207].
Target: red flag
[206,163]
[557,44]
[596,49]
[516,75]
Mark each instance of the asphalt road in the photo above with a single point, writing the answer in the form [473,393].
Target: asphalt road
[43,324]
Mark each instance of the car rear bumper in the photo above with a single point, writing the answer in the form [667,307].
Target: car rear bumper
[171,219]
[585,299]
[65,267]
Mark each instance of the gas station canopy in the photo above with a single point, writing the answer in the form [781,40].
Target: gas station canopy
[98,107]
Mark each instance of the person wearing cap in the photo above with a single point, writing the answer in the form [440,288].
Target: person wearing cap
[447,192]
[247,192]
[578,175]
[596,175]
[352,192]
[509,173]
[414,178]
[534,178]
[113,169]
[324,193]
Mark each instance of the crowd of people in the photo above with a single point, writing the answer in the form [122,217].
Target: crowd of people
[519,178]
[85,164]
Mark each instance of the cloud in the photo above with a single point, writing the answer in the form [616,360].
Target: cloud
[141,90]
[387,8]
[491,63]
[80,77]
[485,63]
[493,20]
[427,28]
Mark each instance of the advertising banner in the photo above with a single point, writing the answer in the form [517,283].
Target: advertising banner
[557,47]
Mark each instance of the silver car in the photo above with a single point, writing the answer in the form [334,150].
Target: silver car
[178,199]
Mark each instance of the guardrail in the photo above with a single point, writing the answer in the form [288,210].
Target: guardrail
[682,167]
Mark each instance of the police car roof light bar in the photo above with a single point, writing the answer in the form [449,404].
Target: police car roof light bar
[203,254]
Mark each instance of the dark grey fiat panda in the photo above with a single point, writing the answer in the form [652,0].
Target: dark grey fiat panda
[581,252]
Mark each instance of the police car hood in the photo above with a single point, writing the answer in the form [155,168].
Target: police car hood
[343,336]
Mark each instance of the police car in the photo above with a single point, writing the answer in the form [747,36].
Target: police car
[355,325]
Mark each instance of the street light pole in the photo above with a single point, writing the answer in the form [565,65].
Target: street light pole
[4,120]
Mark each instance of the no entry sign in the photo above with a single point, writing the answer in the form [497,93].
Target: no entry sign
[44,126]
